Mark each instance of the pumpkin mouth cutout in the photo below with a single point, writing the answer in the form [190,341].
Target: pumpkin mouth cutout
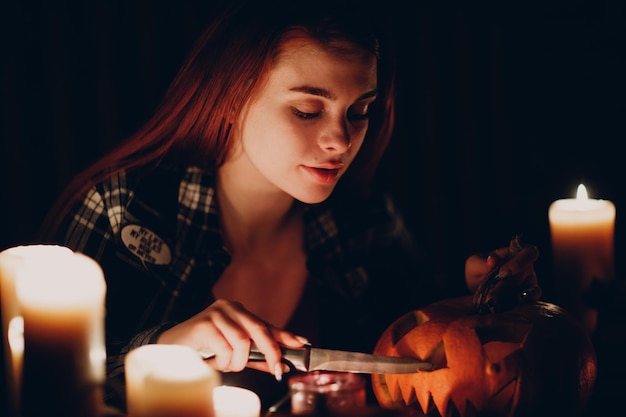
[498,346]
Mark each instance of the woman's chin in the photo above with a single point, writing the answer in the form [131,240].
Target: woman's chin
[314,197]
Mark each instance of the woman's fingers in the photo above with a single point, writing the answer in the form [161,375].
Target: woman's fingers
[227,330]
[477,266]
[229,343]
[238,329]
[522,263]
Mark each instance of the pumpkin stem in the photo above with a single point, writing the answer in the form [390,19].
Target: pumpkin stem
[485,298]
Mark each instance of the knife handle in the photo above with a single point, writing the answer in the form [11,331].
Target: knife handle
[294,358]
[254,355]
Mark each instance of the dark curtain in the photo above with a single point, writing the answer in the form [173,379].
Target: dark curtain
[503,107]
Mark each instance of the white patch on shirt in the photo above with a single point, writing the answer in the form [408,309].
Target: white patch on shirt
[146,245]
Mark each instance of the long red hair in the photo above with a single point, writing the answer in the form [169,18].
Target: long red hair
[228,64]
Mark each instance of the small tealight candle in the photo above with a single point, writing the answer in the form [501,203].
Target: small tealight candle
[582,233]
[61,300]
[236,402]
[169,381]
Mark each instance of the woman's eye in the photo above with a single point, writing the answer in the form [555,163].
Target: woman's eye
[355,116]
[359,112]
[358,116]
[304,115]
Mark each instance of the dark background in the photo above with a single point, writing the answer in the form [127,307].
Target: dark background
[503,107]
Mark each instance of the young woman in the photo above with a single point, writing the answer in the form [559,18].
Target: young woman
[242,212]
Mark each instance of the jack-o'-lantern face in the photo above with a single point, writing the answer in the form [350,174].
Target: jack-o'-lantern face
[532,357]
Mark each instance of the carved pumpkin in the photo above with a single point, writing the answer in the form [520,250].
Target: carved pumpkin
[529,359]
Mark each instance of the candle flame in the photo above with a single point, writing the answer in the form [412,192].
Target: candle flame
[581,193]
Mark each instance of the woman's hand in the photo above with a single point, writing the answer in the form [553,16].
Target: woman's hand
[522,264]
[228,330]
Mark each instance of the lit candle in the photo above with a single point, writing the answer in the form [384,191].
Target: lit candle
[169,381]
[236,402]
[11,260]
[61,299]
[582,233]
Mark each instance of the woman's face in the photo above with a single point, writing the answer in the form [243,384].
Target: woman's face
[302,130]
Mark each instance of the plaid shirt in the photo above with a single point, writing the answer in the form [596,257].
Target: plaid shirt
[156,234]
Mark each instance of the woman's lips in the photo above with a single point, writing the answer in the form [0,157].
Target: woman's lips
[323,175]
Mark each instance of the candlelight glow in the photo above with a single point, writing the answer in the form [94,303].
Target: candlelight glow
[16,346]
[16,335]
[581,193]
[66,281]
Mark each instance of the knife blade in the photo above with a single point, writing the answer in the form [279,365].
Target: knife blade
[309,358]
[313,359]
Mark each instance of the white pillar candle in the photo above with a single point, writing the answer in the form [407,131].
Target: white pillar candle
[582,234]
[236,402]
[61,298]
[11,260]
[169,381]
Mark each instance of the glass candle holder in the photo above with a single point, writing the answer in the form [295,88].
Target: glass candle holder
[322,392]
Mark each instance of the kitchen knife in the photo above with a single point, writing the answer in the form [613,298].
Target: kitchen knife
[308,359]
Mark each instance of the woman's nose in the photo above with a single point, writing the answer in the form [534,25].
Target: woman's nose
[336,137]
